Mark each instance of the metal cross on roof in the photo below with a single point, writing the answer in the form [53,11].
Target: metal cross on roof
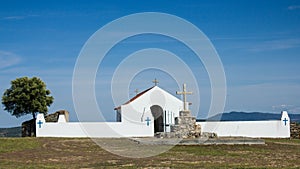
[155,81]
[184,93]
[136,91]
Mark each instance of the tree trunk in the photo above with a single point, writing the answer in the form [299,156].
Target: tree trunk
[33,115]
[34,126]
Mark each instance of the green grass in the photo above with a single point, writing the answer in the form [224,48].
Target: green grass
[17,144]
[287,140]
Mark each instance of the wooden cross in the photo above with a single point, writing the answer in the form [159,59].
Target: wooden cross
[184,93]
[136,91]
[155,81]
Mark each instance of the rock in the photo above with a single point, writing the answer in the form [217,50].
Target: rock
[185,126]
[295,130]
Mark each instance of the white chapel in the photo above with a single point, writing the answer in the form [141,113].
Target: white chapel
[153,105]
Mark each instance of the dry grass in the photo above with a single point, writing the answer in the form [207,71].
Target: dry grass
[84,153]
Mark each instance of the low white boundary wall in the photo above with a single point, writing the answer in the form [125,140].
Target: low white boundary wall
[256,129]
[91,129]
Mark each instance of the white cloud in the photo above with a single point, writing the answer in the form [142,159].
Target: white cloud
[287,107]
[13,17]
[280,44]
[282,107]
[17,17]
[8,59]
[294,7]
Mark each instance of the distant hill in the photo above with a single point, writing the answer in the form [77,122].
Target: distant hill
[250,116]
[11,132]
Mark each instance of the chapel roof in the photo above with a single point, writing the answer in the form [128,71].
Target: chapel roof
[135,97]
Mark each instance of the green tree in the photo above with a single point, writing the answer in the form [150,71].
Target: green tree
[27,96]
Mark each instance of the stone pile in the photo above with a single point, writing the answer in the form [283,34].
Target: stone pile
[185,126]
[54,116]
[295,130]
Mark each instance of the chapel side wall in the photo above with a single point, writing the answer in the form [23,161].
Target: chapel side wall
[255,129]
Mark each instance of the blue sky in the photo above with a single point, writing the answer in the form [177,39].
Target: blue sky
[258,43]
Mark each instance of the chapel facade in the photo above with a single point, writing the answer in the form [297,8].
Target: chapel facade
[151,105]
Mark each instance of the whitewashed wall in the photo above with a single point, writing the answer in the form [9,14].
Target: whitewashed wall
[139,109]
[91,129]
[255,129]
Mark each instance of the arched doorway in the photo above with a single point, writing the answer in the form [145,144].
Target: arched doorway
[158,115]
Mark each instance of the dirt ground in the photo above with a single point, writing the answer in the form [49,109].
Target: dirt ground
[84,153]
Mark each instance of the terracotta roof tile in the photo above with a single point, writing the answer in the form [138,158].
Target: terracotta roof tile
[135,97]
